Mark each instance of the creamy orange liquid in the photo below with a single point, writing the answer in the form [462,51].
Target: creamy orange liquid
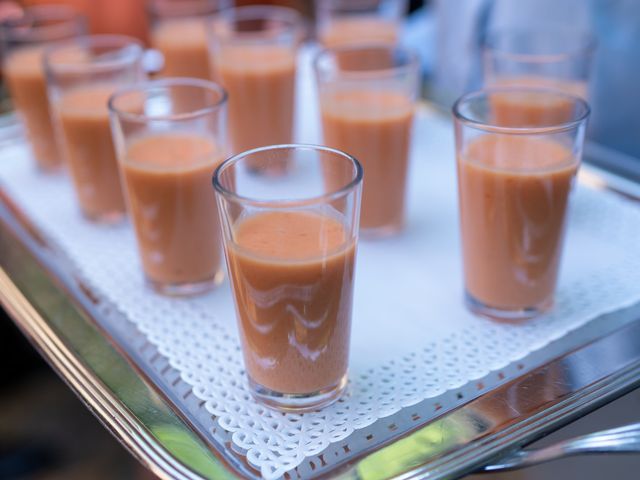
[183,43]
[570,87]
[342,32]
[260,80]
[86,133]
[513,200]
[292,276]
[171,202]
[512,109]
[26,82]
[374,127]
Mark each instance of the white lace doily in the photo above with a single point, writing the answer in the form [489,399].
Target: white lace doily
[412,338]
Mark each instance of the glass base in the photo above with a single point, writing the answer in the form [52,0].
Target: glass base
[186,289]
[49,170]
[381,232]
[505,315]
[298,402]
[108,218]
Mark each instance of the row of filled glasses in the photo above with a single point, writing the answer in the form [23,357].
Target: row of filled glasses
[289,216]
[181,33]
[252,53]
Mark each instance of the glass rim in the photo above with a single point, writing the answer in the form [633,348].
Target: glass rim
[288,203]
[87,41]
[142,87]
[258,12]
[531,130]
[67,20]
[354,7]
[290,17]
[180,10]
[586,44]
[412,65]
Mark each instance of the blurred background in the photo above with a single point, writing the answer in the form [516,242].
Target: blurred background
[450,36]
[45,432]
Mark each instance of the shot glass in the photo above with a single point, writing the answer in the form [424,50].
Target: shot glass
[342,23]
[23,42]
[514,182]
[367,107]
[81,76]
[552,59]
[178,31]
[253,52]
[290,244]
[169,137]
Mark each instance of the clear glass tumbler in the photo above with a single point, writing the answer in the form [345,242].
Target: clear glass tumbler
[254,52]
[81,76]
[367,105]
[23,43]
[514,180]
[178,31]
[169,137]
[290,243]
[539,58]
[353,22]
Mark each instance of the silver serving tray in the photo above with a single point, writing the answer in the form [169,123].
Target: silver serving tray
[132,389]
